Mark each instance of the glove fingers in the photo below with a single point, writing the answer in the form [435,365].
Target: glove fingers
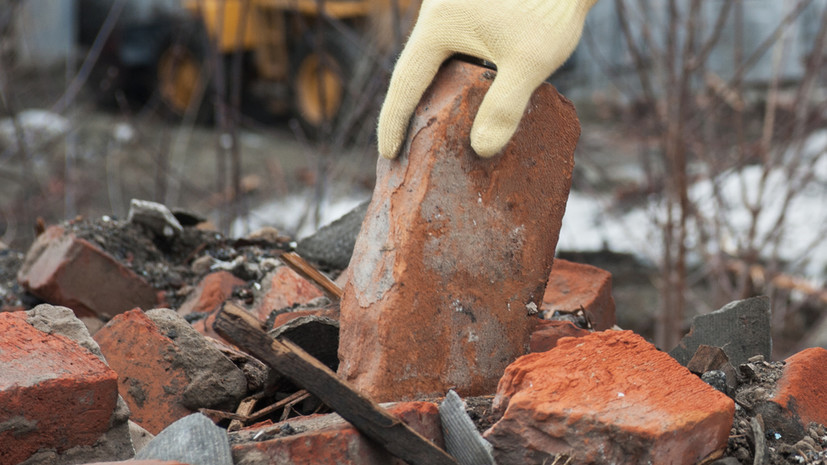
[412,74]
[501,110]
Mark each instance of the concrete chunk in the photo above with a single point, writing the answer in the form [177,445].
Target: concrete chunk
[741,328]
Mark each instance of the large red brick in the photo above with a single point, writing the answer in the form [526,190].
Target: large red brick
[54,394]
[211,292]
[454,247]
[166,372]
[63,269]
[572,286]
[282,288]
[609,397]
[802,389]
[329,440]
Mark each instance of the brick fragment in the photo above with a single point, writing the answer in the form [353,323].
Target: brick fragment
[166,369]
[63,269]
[211,292]
[454,247]
[609,397]
[329,440]
[547,333]
[54,394]
[802,388]
[282,288]
[572,286]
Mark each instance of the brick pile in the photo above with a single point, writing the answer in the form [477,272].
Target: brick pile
[453,285]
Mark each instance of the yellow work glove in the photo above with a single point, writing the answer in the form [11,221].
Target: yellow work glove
[526,39]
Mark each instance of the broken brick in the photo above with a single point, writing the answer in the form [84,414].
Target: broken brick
[63,269]
[211,292]
[572,286]
[330,440]
[54,394]
[802,389]
[166,369]
[547,333]
[283,288]
[609,397]
[455,249]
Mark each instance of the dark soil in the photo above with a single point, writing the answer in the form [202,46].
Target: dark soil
[785,440]
[10,291]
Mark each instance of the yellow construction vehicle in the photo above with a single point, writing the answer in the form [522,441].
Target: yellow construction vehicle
[284,51]
[291,55]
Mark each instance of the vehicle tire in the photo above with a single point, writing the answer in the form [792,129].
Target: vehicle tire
[319,79]
[181,81]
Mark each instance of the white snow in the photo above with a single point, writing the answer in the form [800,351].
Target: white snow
[290,214]
[38,126]
[591,224]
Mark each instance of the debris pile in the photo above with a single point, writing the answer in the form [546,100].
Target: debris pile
[157,340]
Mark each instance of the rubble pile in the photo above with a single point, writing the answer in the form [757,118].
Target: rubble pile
[156,340]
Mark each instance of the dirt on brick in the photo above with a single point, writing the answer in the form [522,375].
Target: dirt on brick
[786,443]
[167,264]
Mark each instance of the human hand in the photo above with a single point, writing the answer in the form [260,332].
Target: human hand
[526,39]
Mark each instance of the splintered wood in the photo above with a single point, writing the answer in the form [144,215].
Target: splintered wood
[237,325]
[307,271]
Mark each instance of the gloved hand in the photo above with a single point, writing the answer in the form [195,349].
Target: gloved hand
[526,39]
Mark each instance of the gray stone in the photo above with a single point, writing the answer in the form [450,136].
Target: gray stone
[462,440]
[215,382]
[332,245]
[716,379]
[140,436]
[741,328]
[53,319]
[193,439]
[155,216]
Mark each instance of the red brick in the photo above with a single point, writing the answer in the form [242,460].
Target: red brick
[609,397]
[547,333]
[54,394]
[802,389]
[575,285]
[284,288]
[454,246]
[329,311]
[329,440]
[159,370]
[211,292]
[148,382]
[63,269]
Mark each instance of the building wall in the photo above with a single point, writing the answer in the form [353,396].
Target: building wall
[44,32]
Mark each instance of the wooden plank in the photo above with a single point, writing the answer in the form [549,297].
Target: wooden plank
[237,325]
[307,271]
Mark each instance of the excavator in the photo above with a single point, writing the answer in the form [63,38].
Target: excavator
[295,56]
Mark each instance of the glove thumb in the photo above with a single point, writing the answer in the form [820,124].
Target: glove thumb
[412,74]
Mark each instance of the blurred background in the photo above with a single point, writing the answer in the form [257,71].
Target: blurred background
[701,173]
